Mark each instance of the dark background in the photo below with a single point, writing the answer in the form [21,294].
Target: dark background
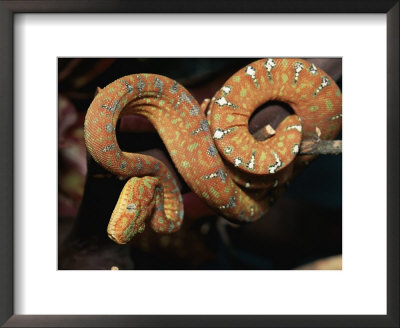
[304,225]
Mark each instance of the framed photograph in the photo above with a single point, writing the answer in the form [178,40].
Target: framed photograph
[182,151]
[96,93]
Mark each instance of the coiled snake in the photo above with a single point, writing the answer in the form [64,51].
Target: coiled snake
[215,153]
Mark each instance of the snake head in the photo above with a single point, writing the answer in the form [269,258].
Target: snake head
[134,206]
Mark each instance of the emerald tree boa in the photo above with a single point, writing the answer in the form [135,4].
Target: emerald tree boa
[210,144]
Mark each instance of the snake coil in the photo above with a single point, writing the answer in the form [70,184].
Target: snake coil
[215,154]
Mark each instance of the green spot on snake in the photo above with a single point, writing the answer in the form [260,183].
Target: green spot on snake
[230,118]
[243,92]
[185,164]
[284,78]
[282,151]
[313,108]
[192,147]
[128,230]
[214,192]
[147,184]
[205,195]
[329,104]
[236,78]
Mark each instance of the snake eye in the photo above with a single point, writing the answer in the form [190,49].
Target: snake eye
[131,207]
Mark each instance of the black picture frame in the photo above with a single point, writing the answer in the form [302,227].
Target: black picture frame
[7,11]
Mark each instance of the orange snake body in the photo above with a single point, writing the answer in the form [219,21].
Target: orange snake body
[215,154]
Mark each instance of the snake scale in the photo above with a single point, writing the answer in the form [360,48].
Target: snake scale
[213,150]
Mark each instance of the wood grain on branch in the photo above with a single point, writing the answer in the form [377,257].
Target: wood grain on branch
[314,146]
[321,147]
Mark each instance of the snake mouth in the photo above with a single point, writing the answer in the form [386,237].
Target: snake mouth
[270,113]
[119,238]
[111,235]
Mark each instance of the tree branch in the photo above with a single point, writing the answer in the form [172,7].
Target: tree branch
[314,146]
